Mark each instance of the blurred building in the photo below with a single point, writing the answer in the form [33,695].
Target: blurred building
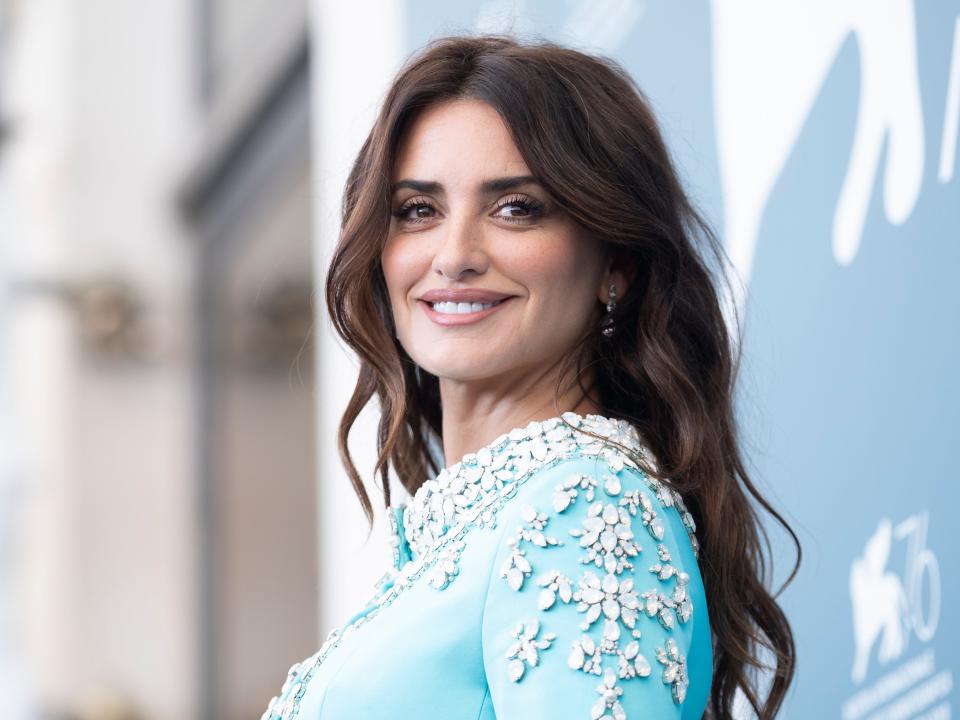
[158,498]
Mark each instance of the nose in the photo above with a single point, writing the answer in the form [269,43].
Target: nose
[461,249]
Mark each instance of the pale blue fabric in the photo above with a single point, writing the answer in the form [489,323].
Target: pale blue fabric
[440,646]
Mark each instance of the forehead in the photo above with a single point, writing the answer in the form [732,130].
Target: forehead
[457,140]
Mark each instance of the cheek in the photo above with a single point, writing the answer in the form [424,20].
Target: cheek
[402,266]
[560,277]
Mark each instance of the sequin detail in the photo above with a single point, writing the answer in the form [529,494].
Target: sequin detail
[610,549]
[517,567]
[397,538]
[675,669]
[526,649]
[467,496]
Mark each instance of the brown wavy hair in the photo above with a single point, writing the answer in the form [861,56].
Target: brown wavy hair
[588,133]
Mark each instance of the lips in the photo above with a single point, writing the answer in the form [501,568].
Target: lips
[451,319]
[466,295]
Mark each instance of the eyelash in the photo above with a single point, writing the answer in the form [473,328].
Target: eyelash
[532,207]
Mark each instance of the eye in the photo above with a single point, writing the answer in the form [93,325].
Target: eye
[403,212]
[522,209]
[530,209]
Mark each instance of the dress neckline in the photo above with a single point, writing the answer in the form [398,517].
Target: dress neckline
[616,429]
[469,492]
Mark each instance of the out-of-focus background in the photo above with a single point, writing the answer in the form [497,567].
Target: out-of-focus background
[175,526]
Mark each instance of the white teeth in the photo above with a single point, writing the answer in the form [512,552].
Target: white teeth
[453,308]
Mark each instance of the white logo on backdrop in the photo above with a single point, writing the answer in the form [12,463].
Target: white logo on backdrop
[770,61]
[879,604]
[892,607]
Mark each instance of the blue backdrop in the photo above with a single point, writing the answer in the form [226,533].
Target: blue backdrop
[821,142]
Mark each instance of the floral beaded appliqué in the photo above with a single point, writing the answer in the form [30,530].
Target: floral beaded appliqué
[610,548]
[517,567]
[427,534]
[525,650]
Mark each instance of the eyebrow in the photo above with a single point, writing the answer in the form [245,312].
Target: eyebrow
[493,185]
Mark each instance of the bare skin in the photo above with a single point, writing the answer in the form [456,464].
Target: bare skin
[497,372]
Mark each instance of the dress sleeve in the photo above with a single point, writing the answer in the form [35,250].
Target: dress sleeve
[588,613]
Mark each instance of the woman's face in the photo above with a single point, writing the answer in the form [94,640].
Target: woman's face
[464,219]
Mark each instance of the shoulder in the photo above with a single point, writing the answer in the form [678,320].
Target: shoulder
[593,594]
[601,493]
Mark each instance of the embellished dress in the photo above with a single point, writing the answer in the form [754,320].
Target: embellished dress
[544,576]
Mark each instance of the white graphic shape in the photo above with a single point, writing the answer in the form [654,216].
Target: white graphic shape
[879,604]
[921,563]
[951,112]
[770,61]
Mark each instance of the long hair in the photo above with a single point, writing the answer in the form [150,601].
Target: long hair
[587,132]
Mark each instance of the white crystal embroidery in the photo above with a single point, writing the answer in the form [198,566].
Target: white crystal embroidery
[394,538]
[675,669]
[607,537]
[466,490]
[609,698]
[525,651]
[610,597]
[298,675]
[554,584]
[468,495]
[567,491]
[635,501]
[516,567]
[446,567]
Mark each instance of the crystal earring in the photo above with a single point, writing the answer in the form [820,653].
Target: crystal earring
[607,325]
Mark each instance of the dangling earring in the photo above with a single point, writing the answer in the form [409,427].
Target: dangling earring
[607,326]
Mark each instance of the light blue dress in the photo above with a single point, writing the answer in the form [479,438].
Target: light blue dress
[543,576]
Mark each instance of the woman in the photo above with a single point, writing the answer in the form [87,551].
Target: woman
[518,271]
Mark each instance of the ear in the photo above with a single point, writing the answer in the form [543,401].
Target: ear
[613,276]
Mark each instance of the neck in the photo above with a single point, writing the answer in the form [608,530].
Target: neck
[473,416]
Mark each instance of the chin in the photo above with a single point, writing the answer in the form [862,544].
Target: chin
[467,370]
[456,373]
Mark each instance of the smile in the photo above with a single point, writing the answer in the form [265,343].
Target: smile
[451,313]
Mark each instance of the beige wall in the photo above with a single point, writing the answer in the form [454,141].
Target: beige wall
[102,106]
[115,554]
